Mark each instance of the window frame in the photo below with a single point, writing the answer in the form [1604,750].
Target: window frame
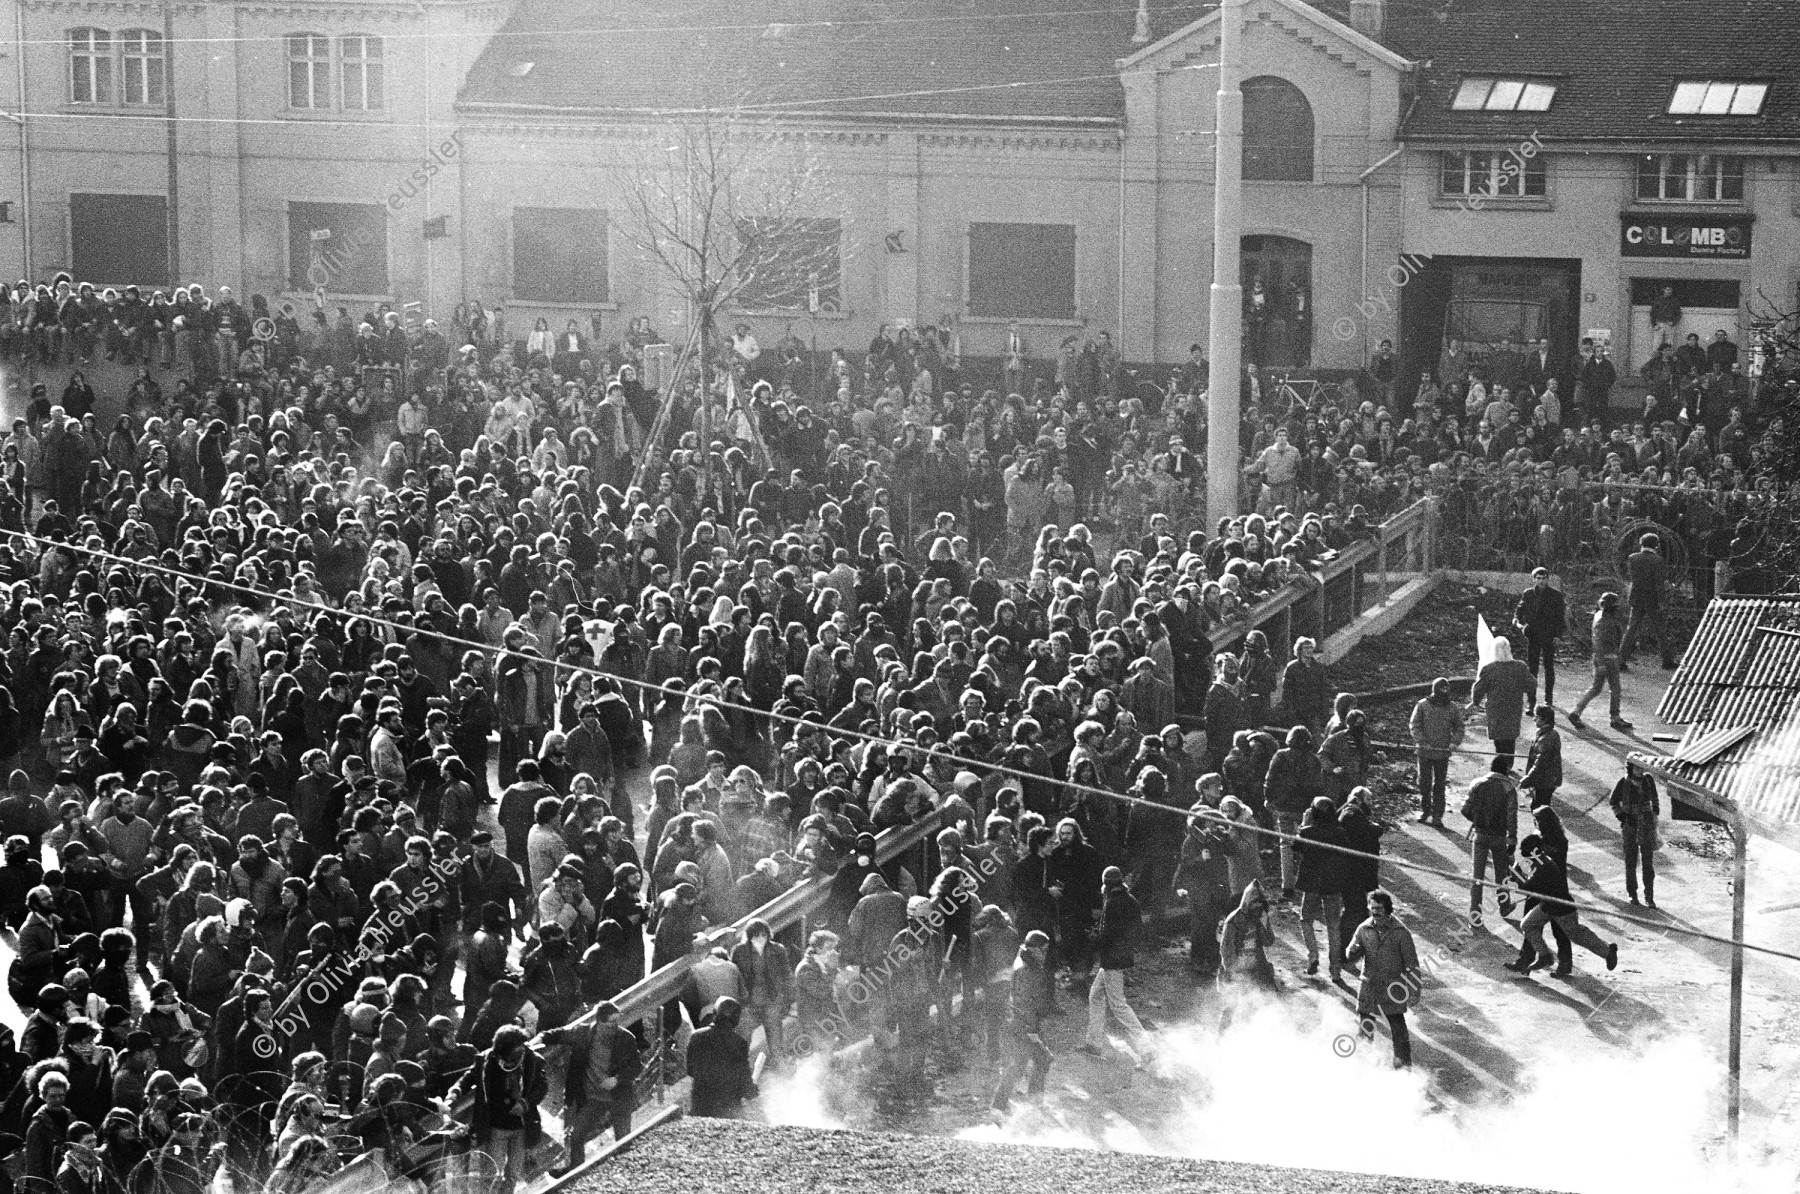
[1530,87]
[1722,170]
[134,46]
[1494,172]
[319,87]
[1735,89]
[365,65]
[93,46]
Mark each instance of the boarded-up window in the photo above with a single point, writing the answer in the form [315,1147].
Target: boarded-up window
[1022,271]
[1278,131]
[340,246]
[119,240]
[559,255]
[783,261]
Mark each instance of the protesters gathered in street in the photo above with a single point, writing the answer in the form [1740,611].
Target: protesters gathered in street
[390,702]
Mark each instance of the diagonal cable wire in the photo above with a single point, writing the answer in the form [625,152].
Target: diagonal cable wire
[402,628]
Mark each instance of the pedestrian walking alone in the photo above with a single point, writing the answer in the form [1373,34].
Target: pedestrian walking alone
[1649,582]
[1115,943]
[1542,617]
[1509,689]
[1029,996]
[1609,645]
[1437,728]
[1636,804]
[1391,981]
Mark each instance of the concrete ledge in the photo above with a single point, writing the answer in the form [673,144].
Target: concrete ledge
[1379,620]
[1506,582]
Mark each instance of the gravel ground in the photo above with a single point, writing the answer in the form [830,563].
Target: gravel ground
[700,1156]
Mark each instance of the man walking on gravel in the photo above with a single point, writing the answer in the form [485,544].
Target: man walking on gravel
[1609,645]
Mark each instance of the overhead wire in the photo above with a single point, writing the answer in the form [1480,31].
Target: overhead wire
[962,763]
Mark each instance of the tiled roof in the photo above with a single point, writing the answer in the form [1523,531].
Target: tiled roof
[1017,60]
[1615,65]
[1742,667]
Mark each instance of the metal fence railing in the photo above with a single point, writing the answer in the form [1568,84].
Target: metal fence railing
[1355,581]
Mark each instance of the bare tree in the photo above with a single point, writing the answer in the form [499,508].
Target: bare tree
[735,210]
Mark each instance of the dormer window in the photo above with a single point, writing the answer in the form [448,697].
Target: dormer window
[1485,93]
[1709,97]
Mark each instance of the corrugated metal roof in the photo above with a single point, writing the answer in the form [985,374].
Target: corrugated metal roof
[1760,772]
[1734,671]
[1711,744]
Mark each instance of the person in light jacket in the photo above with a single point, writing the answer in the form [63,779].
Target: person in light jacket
[1391,981]
[1437,727]
[1509,688]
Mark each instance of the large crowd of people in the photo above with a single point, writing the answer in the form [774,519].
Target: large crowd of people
[317,594]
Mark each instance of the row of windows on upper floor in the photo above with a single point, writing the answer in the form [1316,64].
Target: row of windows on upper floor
[129,69]
[1661,177]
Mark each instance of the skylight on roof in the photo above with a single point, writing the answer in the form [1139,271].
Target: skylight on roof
[1484,93]
[1704,97]
[519,70]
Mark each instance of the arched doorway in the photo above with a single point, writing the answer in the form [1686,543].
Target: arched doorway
[1276,273]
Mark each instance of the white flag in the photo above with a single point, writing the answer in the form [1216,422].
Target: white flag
[1484,641]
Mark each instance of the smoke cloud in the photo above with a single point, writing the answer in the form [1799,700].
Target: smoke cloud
[1274,1089]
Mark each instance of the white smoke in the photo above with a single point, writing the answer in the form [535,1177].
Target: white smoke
[1274,1090]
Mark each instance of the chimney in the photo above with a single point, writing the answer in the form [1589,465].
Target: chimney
[1366,17]
[1140,34]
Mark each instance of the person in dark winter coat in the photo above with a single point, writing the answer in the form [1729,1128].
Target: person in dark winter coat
[1295,780]
[718,1060]
[1321,879]
[1546,887]
[1115,946]
[1543,618]
[877,917]
[1030,997]
[604,1062]
[1362,833]
[1202,879]
[1072,873]
[1543,767]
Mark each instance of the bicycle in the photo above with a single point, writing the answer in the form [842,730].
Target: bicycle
[1308,392]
